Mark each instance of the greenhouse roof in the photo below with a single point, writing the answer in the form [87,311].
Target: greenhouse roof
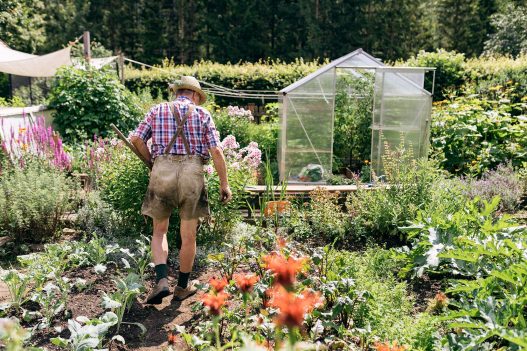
[361,60]
[358,58]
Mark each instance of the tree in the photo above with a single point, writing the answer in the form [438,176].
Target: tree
[22,24]
[510,37]
[463,26]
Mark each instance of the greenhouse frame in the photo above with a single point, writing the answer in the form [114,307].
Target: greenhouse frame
[400,115]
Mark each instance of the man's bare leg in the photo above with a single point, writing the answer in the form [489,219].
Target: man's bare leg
[159,241]
[188,250]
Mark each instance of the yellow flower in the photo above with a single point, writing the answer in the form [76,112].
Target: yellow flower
[367,162]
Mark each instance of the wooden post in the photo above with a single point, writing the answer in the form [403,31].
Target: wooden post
[120,64]
[10,86]
[86,43]
[30,92]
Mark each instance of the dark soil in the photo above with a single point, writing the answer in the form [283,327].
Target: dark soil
[424,289]
[158,320]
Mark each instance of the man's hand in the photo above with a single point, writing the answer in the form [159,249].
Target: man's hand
[225,194]
[221,169]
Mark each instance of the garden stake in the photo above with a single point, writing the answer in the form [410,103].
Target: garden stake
[130,146]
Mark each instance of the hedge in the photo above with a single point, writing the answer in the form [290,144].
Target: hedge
[454,74]
[270,76]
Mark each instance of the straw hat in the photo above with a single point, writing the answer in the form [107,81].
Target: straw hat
[189,83]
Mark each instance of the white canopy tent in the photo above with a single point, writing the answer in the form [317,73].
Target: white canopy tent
[22,64]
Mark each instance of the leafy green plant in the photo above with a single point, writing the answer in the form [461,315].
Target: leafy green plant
[141,257]
[98,217]
[86,334]
[87,101]
[485,255]
[464,242]
[127,290]
[325,215]
[471,135]
[13,336]
[353,118]
[52,300]
[33,200]
[18,286]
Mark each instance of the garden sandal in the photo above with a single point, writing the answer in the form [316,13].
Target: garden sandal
[181,294]
[160,291]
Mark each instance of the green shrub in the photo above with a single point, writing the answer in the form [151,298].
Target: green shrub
[503,182]
[325,216]
[99,218]
[32,200]
[88,101]
[14,102]
[471,135]
[377,213]
[123,180]
[498,78]
[450,70]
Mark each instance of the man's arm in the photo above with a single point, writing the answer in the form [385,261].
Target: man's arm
[221,168]
[141,147]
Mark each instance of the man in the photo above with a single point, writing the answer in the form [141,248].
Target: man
[183,139]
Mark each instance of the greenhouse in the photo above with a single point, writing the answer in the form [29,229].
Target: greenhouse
[378,108]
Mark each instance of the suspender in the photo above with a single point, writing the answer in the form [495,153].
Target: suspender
[179,130]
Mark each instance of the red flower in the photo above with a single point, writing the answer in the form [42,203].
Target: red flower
[292,307]
[172,338]
[215,302]
[245,282]
[284,269]
[218,284]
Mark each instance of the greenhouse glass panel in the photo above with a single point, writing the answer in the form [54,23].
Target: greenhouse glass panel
[401,114]
[307,133]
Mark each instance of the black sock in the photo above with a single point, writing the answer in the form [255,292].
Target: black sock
[161,272]
[182,280]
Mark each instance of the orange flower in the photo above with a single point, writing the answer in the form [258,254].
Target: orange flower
[281,242]
[387,347]
[284,269]
[441,299]
[279,207]
[172,338]
[292,307]
[215,302]
[218,284]
[245,282]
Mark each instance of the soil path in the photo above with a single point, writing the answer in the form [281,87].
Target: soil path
[5,297]
[159,320]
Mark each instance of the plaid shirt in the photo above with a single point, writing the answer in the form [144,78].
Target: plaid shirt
[160,125]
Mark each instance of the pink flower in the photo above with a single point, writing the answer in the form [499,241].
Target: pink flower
[230,143]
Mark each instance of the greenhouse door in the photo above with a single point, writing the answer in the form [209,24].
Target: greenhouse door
[401,115]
